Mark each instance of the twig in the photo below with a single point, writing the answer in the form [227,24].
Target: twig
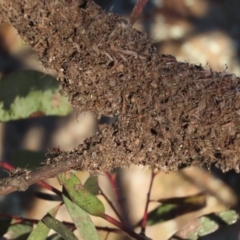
[110,230]
[7,166]
[145,214]
[19,219]
[112,179]
[138,8]
[123,227]
[43,184]
[20,180]
[111,205]
[50,188]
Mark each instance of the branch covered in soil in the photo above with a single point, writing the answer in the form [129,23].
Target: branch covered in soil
[169,114]
[21,179]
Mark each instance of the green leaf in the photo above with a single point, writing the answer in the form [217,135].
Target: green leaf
[22,237]
[160,214]
[26,94]
[229,216]
[85,200]
[174,207]
[41,231]
[20,231]
[91,185]
[59,227]
[81,219]
[207,224]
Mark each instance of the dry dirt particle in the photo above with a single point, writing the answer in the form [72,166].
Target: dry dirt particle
[169,113]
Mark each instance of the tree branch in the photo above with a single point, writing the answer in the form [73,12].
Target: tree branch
[20,180]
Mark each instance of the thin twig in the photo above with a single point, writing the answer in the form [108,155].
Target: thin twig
[19,219]
[123,227]
[50,188]
[137,10]
[6,166]
[111,205]
[112,180]
[145,214]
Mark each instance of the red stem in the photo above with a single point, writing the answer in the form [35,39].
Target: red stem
[6,166]
[145,214]
[124,228]
[111,204]
[137,10]
[33,221]
[19,219]
[112,179]
[49,187]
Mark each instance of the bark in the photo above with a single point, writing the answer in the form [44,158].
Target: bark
[169,114]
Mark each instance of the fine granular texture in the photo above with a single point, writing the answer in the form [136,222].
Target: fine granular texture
[169,114]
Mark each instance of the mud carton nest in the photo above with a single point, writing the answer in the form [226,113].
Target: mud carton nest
[169,114]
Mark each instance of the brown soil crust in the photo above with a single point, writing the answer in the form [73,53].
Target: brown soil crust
[170,114]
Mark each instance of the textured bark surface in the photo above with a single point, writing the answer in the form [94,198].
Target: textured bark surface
[169,114]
